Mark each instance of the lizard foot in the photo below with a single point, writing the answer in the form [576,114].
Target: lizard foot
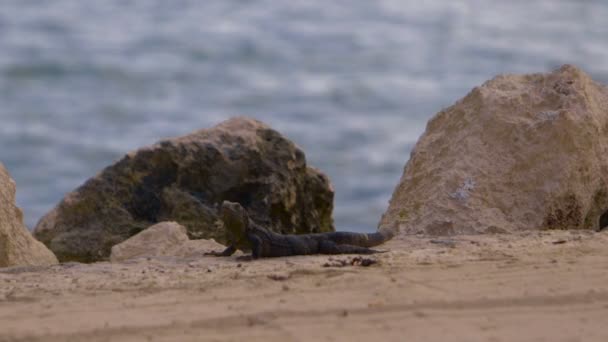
[214,253]
[227,252]
[375,251]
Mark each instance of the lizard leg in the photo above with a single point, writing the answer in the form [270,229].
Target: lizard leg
[226,252]
[256,246]
[330,247]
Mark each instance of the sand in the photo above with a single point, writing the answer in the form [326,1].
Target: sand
[537,286]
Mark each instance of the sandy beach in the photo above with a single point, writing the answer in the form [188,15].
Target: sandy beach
[540,286]
[472,133]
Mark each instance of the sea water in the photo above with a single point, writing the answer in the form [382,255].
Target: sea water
[353,82]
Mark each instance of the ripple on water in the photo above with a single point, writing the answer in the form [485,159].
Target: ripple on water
[353,83]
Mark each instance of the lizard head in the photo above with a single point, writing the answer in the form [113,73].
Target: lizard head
[235,218]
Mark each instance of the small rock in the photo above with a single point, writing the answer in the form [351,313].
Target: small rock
[356,261]
[165,239]
[278,277]
[161,239]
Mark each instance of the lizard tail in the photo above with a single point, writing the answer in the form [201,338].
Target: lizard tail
[380,237]
[363,239]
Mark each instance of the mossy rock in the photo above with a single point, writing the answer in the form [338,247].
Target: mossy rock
[185,179]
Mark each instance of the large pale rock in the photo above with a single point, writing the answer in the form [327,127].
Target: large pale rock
[17,246]
[185,179]
[521,152]
[168,239]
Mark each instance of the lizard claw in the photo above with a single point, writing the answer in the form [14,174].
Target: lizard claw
[225,253]
[375,251]
[213,253]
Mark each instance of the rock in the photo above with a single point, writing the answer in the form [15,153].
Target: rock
[157,240]
[185,179]
[17,246]
[521,152]
[168,239]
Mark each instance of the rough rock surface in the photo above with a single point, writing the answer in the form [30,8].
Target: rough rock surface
[521,152]
[17,246]
[168,239]
[184,179]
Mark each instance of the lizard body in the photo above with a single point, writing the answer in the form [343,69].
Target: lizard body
[244,234]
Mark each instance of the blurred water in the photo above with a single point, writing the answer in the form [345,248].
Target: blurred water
[352,82]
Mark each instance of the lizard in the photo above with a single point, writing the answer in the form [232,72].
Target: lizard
[244,234]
